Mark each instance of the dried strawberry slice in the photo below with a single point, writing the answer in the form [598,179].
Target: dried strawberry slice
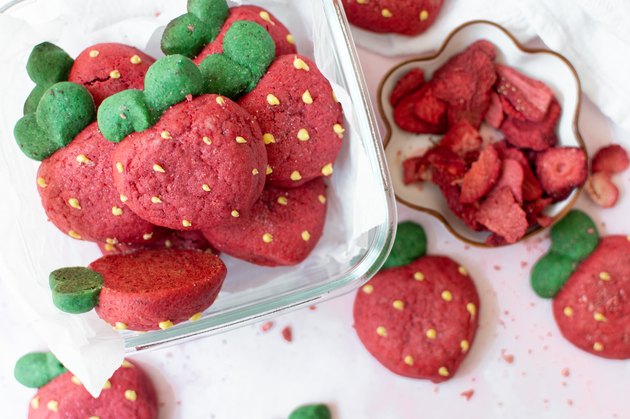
[409,83]
[464,140]
[530,97]
[610,159]
[405,116]
[430,109]
[502,215]
[560,170]
[482,176]
[534,211]
[494,116]
[512,176]
[531,187]
[536,136]
[601,189]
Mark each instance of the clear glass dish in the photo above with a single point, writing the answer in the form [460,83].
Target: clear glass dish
[250,293]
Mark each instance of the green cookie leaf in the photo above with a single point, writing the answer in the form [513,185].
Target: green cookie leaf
[316,411]
[64,110]
[123,113]
[75,290]
[37,369]
[223,76]
[409,245]
[186,35]
[169,80]
[48,64]
[211,12]
[575,236]
[550,273]
[30,106]
[32,140]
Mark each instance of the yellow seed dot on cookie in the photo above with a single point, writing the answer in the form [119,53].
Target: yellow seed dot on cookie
[447,295]
[255,171]
[386,13]
[269,139]
[94,417]
[472,309]
[107,385]
[272,100]
[74,235]
[119,167]
[306,236]
[75,380]
[111,241]
[158,168]
[604,276]
[321,199]
[35,403]
[235,214]
[418,276]
[269,170]
[568,311]
[462,271]
[166,324]
[120,326]
[117,211]
[424,15]
[282,200]
[300,64]
[168,244]
[83,159]
[267,238]
[339,130]
[431,333]
[131,395]
[41,182]
[186,223]
[156,200]
[74,203]
[265,16]
[327,170]
[109,247]
[408,360]
[368,289]
[135,59]
[599,317]
[123,198]
[296,176]
[291,39]
[195,317]
[465,345]
[166,135]
[303,135]
[206,187]
[126,364]
[598,347]
[94,53]
[363,1]
[220,100]
[381,331]
[115,74]
[207,140]
[53,406]
[307,98]
[241,140]
[398,305]
[335,97]
[147,236]
[443,371]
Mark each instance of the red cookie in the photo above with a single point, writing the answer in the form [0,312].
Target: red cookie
[407,17]
[202,164]
[283,228]
[300,118]
[106,69]
[129,393]
[592,307]
[78,193]
[155,289]
[169,239]
[285,44]
[419,320]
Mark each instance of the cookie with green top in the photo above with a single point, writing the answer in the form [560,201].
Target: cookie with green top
[35,369]
[315,411]
[409,245]
[75,290]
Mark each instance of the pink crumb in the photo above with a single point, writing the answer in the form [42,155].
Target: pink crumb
[467,394]
[312,308]
[266,326]
[497,267]
[507,357]
[523,264]
[570,402]
[565,372]
[287,334]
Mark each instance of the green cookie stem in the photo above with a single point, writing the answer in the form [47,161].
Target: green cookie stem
[550,273]
[409,245]
[33,140]
[75,290]
[316,411]
[223,76]
[36,369]
[575,236]
[124,113]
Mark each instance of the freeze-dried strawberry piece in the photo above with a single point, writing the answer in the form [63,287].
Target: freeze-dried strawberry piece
[447,163]
[464,140]
[536,136]
[482,176]
[407,84]
[534,211]
[502,215]
[610,159]
[512,176]
[531,187]
[451,192]
[510,110]
[430,109]
[465,83]
[406,119]
[413,168]
[601,189]
[494,116]
[560,170]
[530,97]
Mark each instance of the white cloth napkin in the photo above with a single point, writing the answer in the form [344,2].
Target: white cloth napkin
[593,34]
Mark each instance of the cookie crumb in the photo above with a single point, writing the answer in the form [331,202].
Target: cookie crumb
[467,394]
[287,334]
[266,326]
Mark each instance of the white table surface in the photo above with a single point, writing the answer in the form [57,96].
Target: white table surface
[249,374]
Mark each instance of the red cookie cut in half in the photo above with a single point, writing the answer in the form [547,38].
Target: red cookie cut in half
[419,320]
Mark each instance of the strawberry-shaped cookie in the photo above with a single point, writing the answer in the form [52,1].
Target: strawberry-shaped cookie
[129,393]
[301,120]
[589,281]
[407,17]
[419,319]
[168,239]
[282,229]
[142,290]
